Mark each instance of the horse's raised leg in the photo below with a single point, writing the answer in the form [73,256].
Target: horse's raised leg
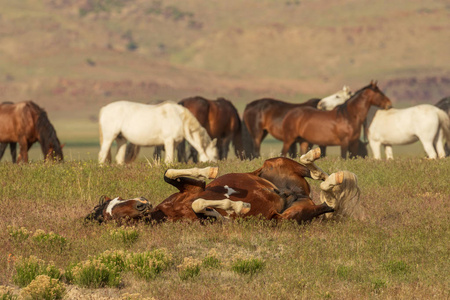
[332,180]
[121,150]
[305,210]
[208,172]
[238,207]
[308,160]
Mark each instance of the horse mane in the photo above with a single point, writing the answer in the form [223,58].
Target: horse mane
[46,131]
[97,212]
[342,108]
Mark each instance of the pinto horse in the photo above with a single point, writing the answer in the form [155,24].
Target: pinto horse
[220,119]
[266,115]
[338,127]
[118,208]
[26,123]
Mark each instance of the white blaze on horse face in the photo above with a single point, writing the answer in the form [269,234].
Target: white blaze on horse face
[230,191]
[113,203]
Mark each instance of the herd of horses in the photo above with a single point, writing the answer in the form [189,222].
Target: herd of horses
[276,191]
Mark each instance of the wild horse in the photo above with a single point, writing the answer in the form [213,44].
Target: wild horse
[278,190]
[220,119]
[266,115]
[151,125]
[338,127]
[26,123]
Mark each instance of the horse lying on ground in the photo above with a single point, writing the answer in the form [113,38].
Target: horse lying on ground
[26,123]
[118,208]
[151,125]
[424,122]
[278,190]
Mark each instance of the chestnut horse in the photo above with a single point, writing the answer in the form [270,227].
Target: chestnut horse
[26,123]
[117,209]
[266,115]
[338,127]
[220,119]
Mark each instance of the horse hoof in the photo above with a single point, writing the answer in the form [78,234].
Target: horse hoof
[310,156]
[213,172]
[339,177]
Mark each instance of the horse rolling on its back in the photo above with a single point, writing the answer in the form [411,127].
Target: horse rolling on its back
[425,122]
[220,119]
[150,125]
[338,127]
[26,123]
[266,115]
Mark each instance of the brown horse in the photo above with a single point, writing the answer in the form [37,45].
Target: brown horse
[278,190]
[26,123]
[220,119]
[117,209]
[338,127]
[12,148]
[265,116]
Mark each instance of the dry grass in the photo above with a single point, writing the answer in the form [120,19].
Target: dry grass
[400,252]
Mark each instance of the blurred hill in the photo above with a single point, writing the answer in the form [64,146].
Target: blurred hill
[73,56]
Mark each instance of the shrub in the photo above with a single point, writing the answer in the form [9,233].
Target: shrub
[247,266]
[44,287]
[126,235]
[18,235]
[93,273]
[27,269]
[6,293]
[149,264]
[211,260]
[190,268]
[49,240]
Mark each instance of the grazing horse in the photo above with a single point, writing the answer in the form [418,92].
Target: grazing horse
[266,115]
[278,190]
[424,122]
[150,125]
[26,123]
[118,208]
[444,104]
[220,119]
[338,127]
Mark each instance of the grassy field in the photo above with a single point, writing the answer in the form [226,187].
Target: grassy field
[400,251]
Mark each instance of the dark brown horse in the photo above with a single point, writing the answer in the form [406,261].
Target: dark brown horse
[265,116]
[220,119]
[117,209]
[26,123]
[338,127]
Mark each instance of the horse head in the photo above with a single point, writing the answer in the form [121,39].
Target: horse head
[378,98]
[54,151]
[117,208]
[211,153]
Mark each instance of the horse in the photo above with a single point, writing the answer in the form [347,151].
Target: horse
[276,191]
[118,208]
[265,116]
[12,148]
[444,104]
[26,123]
[220,119]
[338,127]
[330,102]
[424,122]
[165,124]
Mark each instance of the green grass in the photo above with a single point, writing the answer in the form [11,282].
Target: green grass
[400,251]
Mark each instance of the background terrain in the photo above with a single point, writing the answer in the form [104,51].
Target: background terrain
[72,57]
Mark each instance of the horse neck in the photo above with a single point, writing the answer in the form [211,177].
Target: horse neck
[194,133]
[358,107]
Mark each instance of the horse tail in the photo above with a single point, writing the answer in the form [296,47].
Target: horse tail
[131,153]
[444,121]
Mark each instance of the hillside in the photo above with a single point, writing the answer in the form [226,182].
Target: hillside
[72,57]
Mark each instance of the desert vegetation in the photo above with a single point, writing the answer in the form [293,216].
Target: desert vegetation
[399,251]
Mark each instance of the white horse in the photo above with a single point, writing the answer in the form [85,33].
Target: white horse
[424,122]
[330,102]
[165,124]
